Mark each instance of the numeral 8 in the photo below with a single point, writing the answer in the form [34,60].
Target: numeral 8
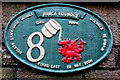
[32,46]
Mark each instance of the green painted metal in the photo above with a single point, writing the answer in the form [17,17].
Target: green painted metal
[87,29]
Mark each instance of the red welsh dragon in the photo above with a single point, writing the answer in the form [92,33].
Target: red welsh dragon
[71,50]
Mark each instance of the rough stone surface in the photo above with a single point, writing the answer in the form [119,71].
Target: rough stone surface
[118,16]
[118,58]
[7,72]
[106,11]
[1,34]
[11,9]
[116,34]
[24,73]
[110,61]
[8,60]
[0,12]
[102,74]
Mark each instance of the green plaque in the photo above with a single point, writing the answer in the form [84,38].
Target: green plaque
[58,38]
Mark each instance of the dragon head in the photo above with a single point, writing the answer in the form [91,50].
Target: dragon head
[65,42]
[81,42]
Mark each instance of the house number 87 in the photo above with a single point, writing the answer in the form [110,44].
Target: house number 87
[32,46]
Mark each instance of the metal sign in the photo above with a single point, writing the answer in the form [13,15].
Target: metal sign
[58,38]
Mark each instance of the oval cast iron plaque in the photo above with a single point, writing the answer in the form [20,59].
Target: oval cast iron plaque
[58,38]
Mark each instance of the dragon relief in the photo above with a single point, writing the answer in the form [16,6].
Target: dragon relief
[71,50]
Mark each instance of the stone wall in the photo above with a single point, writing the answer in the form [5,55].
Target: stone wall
[108,69]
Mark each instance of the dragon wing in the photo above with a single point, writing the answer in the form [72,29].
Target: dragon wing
[73,44]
